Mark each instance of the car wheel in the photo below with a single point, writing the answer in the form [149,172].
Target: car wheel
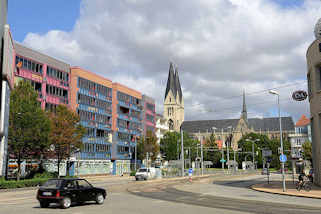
[44,204]
[65,203]
[100,198]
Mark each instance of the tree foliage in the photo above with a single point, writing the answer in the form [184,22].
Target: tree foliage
[171,146]
[263,143]
[29,125]
[307,151]
[148,144]
[66,133]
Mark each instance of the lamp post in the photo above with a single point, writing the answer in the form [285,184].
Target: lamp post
[222,152]
[227,149]
[273,92]
[249,140]
[135,153]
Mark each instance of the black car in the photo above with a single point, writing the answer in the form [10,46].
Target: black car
[68,190]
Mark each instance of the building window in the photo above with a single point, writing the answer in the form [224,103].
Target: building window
[309,84]
[150,107]
[50,107]
[122,149]
[123,136]
[102,148]
[123,124]
[171,124]
[29,64]
[150,118]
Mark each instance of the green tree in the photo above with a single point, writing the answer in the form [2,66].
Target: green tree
[263,143]
[211,155]
[148,144]
[66,134]
[29,125]
[170,146]
[307,151]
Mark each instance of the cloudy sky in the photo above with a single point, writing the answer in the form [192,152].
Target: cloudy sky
[221,47]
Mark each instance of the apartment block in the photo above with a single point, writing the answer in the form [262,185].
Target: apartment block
[91,98]
[49,77]
[148,114]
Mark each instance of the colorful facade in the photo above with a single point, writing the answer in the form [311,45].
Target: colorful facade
[49,77]
[127,117]
[149,115]
[111,112]
[91,98]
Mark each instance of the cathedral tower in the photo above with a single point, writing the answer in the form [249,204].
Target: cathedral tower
[173,101]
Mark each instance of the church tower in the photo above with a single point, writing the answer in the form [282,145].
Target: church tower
[242,127]
[173,101]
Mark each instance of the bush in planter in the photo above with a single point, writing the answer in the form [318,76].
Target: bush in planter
[22,183]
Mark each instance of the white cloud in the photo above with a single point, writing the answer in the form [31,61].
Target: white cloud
[221,48]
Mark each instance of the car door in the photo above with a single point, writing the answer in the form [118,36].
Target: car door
[86,191]
[72,190]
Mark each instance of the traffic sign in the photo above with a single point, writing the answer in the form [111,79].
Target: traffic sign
[283,158]
[266,153]
[222,161]
[299,95]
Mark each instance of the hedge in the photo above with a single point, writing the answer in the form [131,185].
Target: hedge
[22,183]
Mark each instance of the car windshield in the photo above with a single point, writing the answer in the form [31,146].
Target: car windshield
[53,183]
[142,170]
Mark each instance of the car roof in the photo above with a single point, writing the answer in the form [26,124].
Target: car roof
[67,179]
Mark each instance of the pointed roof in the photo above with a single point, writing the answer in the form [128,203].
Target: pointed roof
[170,81]
[303,121]
[178,85]
[244,111]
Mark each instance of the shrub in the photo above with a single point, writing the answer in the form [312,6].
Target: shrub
[133,173]
[46,175]
[22,183]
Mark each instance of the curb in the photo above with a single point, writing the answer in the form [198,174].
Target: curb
[283,193]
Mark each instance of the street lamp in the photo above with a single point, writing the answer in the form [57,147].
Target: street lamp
[282,163]
[249,140]
[227,149]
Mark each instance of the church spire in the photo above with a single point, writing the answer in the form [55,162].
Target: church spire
[244,111]
[171,81]
[178,85]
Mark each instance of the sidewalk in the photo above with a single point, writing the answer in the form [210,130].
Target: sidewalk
[275,187]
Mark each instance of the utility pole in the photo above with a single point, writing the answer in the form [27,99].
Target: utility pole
[253,153]
[222,152]
[234,161]
[228,154]
[182,152]
[135,153]
[281,137]
[202,160]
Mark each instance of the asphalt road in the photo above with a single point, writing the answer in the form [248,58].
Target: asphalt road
[127,197]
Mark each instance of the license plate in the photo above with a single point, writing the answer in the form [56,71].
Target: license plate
[46,193]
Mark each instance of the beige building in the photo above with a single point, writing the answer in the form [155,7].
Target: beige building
[173,102]
[313,56]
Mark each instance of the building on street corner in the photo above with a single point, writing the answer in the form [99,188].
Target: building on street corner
[313,56]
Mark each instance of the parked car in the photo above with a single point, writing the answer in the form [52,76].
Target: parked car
[66,191]
[145,173]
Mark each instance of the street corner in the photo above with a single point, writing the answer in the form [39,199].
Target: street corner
[275,187]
